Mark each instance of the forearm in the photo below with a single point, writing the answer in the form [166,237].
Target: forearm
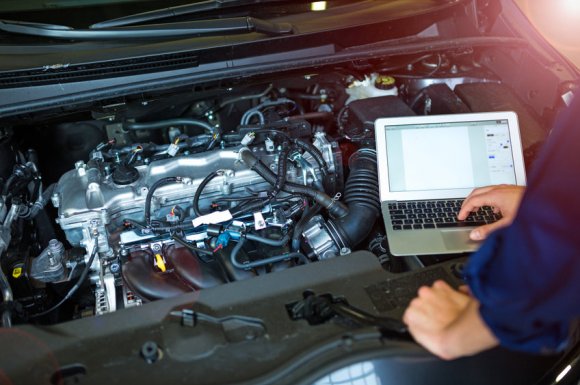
[447,322]
[467,335]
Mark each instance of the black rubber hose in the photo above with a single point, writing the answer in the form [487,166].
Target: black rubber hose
[261,262]
[335,208]
[155,186]
[361,194]
[8,184]
[170,122]
[267,241]
[199,190]
[44,225]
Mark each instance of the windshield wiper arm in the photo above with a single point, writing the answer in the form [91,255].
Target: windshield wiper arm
[154,31]
[186,9]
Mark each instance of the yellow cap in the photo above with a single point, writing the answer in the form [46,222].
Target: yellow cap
[385,82]
[17,272]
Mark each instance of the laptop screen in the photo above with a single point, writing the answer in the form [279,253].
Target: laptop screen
[447,156]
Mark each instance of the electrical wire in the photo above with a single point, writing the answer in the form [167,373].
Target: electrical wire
[365,318]
[155,186]
[199,190]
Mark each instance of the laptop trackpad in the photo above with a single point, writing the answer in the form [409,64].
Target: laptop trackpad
[459,239]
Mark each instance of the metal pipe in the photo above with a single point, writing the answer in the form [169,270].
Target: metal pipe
[7,296]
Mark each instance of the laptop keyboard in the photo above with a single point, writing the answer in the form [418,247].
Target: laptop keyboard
[436,214]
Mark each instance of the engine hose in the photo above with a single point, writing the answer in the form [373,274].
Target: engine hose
[279,185]
[268,241]
[155,186]
[8,184]
[335,208]
[171,122]
[361,194]
[261,262]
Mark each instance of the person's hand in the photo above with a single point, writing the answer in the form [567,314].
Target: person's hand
[447,323]
[505,200]
[433,311]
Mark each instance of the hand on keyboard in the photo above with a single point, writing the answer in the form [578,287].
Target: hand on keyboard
[505,200]
[436,214]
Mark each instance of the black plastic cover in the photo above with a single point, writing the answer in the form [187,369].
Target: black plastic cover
[362,114]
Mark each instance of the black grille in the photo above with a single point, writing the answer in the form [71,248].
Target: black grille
[84,72]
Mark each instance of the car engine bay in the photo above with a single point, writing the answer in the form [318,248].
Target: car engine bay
[142,198]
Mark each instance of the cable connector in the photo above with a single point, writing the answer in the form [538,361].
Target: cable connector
[222,241]
[172,150]
[248,138]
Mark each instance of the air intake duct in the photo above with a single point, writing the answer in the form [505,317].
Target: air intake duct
[361,195]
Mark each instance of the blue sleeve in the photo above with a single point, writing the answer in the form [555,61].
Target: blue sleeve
[527,276]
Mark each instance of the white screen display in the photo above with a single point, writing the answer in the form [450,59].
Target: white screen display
[444,156]
[427,152]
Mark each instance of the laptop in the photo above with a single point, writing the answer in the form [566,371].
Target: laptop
[428,164]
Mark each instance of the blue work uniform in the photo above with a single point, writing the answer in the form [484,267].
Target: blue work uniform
[527,276]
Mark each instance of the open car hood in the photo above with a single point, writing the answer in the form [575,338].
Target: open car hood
[206,210]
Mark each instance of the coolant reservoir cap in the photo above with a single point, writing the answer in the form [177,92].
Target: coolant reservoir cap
[125,174]
[385,82]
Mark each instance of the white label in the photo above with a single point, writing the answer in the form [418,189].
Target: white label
[212,218]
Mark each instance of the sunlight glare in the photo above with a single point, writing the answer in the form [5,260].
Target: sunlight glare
[318,6]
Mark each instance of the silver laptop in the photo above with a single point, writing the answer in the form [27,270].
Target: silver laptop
[428,164]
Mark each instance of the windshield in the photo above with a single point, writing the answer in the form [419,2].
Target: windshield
[82,13]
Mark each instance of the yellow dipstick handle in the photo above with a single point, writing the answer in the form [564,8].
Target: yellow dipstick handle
[160,263]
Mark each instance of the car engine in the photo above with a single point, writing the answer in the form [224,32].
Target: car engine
[131,200]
